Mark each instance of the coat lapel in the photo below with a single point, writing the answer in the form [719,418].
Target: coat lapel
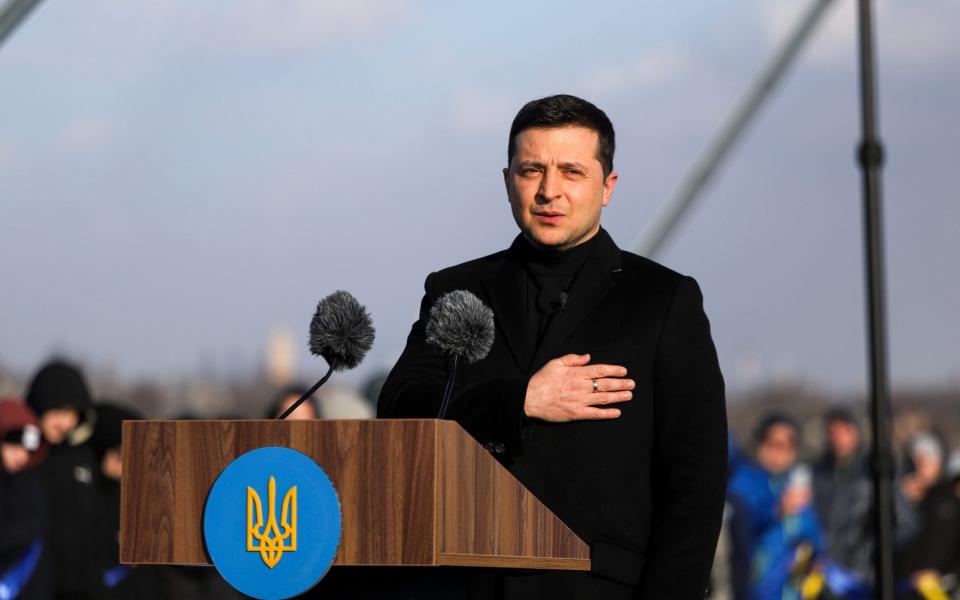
[505,288]
[589,287]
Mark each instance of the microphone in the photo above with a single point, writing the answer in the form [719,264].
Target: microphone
[341,332]
[560,304]
[460,326]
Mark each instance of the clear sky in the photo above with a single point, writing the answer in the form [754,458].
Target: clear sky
[177,177]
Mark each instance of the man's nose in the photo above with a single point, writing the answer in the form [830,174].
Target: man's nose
[550,188]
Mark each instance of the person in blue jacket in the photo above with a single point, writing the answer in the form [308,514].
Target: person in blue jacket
[774,530]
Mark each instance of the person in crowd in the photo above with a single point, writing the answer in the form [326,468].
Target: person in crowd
[774,530]
[59,395]
[842,491]
[925,455]
[23,516]
[117,581]
[285,399]
[931,563]
[330,402]
[843,498]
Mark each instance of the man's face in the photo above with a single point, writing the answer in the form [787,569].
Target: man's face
[778,451]
[57,423]
[556,186]
[843,438]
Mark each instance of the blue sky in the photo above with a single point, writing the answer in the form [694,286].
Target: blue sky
[178,178]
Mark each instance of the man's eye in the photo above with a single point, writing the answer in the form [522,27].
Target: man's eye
[574,172]
[528,171]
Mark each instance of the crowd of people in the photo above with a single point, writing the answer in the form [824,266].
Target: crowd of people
[794,530]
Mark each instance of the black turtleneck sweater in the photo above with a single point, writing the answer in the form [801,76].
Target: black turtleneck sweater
[549,275]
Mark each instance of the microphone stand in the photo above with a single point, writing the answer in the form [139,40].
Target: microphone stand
[448,391]
[871,161]
[306,395]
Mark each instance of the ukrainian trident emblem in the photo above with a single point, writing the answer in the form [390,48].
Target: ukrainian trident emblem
[272,539]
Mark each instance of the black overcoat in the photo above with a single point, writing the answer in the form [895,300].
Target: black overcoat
[645,490]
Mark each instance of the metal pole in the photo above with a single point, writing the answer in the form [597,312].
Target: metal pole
[12,13]
[669,214]
[870,156]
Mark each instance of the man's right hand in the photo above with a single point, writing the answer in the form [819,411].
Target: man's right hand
[795,499]
[563,390]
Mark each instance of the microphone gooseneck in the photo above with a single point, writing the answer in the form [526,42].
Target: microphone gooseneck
[460,326]
[306,395]
[342,332]
[448,390]
[560,304]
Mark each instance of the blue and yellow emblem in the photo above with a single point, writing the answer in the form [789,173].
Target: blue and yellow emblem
[271,540]
[272,523]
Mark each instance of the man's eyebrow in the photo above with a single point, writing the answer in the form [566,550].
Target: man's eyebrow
[563,165]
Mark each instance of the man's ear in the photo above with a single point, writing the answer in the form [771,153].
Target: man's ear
[608,185]
[506,181]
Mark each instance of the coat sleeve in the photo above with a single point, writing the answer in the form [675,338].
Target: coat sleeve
[491,411]
[690,453]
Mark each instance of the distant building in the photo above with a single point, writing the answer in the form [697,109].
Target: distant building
[280,360]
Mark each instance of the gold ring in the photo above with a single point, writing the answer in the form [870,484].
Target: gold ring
[596,386]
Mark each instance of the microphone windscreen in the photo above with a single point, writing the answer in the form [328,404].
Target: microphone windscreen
[462,325]
[341,331]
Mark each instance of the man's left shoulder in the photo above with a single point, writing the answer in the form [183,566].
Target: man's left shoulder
[651,275]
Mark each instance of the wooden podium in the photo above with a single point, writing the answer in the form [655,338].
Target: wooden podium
[412,493]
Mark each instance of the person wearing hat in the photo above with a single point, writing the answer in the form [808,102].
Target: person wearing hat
[23,514]
[59,395]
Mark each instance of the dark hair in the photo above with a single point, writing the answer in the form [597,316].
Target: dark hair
[840,414]
[564,110]
[771,420]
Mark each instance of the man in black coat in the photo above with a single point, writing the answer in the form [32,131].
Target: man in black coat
[602,392]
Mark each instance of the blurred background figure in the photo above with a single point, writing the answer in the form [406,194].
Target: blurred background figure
[59,395]
[285,399]
[343,402]
[924,465]
[931,563]
[843,496]
[23,512]
[329,402]
[774,531]
[117,581]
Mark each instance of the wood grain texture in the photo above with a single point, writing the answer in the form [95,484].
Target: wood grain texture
[487,518]
[412,492]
